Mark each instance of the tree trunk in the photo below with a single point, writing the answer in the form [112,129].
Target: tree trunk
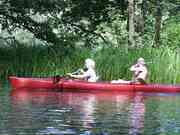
[131,23]
[0,28]
[139,23]
[144,13]
[122,6]
[158,17]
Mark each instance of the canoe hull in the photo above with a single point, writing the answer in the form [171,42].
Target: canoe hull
[76,85]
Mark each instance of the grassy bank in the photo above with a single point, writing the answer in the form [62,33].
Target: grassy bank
[112,63]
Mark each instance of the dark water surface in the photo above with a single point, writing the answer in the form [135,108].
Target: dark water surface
[55,113]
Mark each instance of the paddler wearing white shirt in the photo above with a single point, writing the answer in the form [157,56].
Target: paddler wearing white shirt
[89,74]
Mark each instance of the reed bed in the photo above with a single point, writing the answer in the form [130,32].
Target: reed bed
[111,63]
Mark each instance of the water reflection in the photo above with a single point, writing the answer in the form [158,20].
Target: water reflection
[162,113]
[137,112]
[80,113]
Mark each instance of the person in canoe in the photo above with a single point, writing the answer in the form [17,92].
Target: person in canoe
[140,73]
[89,74]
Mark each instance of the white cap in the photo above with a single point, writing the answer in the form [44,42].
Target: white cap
[90,63]
[141,61]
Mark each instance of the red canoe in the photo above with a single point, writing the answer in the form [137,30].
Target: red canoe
[76,85]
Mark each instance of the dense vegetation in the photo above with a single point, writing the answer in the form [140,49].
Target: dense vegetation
[45,38]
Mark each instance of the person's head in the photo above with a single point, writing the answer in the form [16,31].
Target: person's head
[89,63]
[141,61]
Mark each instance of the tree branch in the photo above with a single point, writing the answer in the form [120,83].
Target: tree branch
[88,31]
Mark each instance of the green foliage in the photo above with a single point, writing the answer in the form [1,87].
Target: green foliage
[51,20]
[66,29]
[111,63]
[171,35]
[114,32]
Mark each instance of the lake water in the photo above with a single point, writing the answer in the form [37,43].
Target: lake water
[110,113]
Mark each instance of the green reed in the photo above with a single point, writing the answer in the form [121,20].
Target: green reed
[111,63]
[163,64]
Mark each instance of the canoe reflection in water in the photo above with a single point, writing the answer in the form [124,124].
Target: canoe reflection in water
[78,113]
[137,112]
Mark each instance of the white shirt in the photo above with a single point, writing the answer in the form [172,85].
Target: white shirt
[90,75]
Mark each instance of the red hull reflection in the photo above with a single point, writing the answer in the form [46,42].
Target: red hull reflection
[87,103]
[46,97]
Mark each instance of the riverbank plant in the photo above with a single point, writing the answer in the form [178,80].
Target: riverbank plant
[111,63]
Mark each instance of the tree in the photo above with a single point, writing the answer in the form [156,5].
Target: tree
[158,17]
[70,16]
[18,14]
[131,23]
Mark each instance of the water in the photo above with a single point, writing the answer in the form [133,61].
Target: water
[55,113]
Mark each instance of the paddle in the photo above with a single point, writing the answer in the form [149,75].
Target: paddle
[79,71]
[57,78]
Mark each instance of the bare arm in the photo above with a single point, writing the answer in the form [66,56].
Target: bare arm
[133,67]
[136,68]
[78,76]
[82,76]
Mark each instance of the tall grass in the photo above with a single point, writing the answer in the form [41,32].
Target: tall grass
[163,64]
[111,63]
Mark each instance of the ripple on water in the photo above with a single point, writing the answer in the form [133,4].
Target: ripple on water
[89,113]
